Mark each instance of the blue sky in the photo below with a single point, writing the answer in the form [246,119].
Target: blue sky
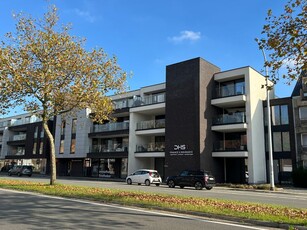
[146,36]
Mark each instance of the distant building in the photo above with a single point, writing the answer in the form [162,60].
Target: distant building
[22,142]
[299,97]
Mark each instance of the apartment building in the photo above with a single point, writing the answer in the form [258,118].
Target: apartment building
[22,142]
[201,117]
[299,97]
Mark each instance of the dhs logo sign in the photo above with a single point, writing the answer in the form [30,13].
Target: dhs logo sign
[180,147]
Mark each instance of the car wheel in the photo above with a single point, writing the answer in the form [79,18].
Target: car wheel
[139,183]
[129,181]
[171,184]
[10,174]
[181,186]
[209,188]
[157,184]
[18,174]
[198,185]
[147,182]
[29,175]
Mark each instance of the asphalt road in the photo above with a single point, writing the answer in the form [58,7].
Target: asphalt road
[20,210]
[289,198]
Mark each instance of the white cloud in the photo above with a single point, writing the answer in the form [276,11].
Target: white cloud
[186,35]
[84,14]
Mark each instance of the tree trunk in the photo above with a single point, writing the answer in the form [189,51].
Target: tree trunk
[52,153]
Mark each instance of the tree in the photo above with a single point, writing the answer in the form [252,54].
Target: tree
[286,40]
[48,73]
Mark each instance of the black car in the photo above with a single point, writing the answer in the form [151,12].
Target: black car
[20,170]
[192,178]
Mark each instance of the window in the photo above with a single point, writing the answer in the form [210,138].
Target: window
[63,128]
[280,115]
[304,139]
[62,147]
[285,141]
[73,146]
[74,126]
[41,148]
[277,142]
[281,141]
[303,113]
[36,132]
[284,114]
[34,148]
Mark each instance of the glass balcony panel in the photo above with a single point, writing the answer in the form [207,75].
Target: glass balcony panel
[17,152]
[19,137]
[229,145]
[126,103]
[149,99]
[151,147]
[109,148]
[238,117]
[152,124]
[114,126]
[230,90]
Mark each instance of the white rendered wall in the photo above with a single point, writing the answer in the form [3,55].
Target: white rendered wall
[256,94]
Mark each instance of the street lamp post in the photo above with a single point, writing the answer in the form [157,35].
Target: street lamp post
[272,185]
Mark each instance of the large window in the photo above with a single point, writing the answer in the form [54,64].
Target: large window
[281,141]
[280,115]
[304,139]
[303,113]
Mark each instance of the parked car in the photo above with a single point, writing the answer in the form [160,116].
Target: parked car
[20,170]
[144,176]
[192,178]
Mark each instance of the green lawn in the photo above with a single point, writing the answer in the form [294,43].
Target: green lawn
[254,211]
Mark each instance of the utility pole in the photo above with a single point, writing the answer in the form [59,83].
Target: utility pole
[272,185]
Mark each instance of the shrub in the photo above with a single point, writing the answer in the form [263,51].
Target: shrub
[299,176]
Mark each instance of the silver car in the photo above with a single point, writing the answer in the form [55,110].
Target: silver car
[144,176]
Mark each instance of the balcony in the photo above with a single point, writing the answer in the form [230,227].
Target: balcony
[114,126]
[151,124]
[229,96]
[25,121]
[229,148]
[152,149]
[19,137]
[139,101]
[19,152]
[106,149]
[235,122]
[122,104]
[149,99]
[223,119]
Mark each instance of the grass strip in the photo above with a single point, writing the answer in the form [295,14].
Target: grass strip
[253,211]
